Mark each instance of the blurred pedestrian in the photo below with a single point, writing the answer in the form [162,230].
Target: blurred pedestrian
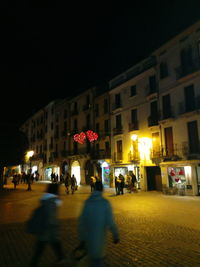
[73,183]
[50,235]
[121,184]
[116,185]
[95,219]
[92,183]
[28,179]
[15,180]
[67,182]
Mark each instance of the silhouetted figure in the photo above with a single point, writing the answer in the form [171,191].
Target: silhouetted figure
[73,183]
[95,219]
[92,183]
[29,180]
[67,182]
[50,235]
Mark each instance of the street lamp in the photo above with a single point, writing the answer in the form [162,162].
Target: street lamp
[29,154]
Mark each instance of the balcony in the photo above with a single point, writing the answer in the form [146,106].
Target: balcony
[54,154]
[74,112]
[133,126]
[64,153]
[163,153]
[151,92]
[184,108]
[101,154]
[167,114]
[86,107]
[153,120]
[50,146]
[184,70]
[117,130]
[56,135]
[133,156]
[116,105]
[39,156]
[118,156]
[191,152]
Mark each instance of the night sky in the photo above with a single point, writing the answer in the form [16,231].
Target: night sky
[50,52]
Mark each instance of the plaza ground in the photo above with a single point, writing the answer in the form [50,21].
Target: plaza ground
[155,229]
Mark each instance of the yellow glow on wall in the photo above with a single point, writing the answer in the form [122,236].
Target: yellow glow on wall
[145,146]
[134,137]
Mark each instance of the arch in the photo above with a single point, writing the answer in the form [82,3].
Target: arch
[76,170]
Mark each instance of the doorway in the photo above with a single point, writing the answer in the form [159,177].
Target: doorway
[154,181]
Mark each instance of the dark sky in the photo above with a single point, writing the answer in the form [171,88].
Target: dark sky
[50,52]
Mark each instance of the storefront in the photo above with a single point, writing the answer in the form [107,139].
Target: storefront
[49,171]
[180,178]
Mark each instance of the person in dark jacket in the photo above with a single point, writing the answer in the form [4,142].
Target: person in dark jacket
[95,219]
[51,234]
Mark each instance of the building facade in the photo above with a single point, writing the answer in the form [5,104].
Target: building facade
[147,122]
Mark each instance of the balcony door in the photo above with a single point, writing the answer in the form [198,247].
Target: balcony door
[169,145]
[193,137]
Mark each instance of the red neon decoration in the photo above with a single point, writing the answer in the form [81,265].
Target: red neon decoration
[80,138]
[92,136]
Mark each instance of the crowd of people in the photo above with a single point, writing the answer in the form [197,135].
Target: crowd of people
[26,178]
[130,184]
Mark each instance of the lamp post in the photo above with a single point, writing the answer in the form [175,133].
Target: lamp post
[29,155]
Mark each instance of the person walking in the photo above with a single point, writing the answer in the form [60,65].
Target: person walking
[95,219]
[50,235]
[121,184]
[116,185]
[28,179]
[73,183]
[92,183]
[15,181]
[67,183]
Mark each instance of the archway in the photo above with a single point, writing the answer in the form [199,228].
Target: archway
[76,170]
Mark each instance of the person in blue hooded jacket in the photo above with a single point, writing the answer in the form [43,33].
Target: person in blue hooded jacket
[95,219]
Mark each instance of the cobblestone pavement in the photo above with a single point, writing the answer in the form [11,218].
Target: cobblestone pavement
[155,229]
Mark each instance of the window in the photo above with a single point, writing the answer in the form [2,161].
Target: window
[119,150]
[134,116]
[97,127]
[193,137]
[166,102]
[152,84]
[97,110]
[163,70]
[52,126]
[105,106]
[133,90]
[118,122]
[169,145]
[88,121]
[64,145]
[117,101]
[65,126]
[65,114]
[106,126]
[189,98]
